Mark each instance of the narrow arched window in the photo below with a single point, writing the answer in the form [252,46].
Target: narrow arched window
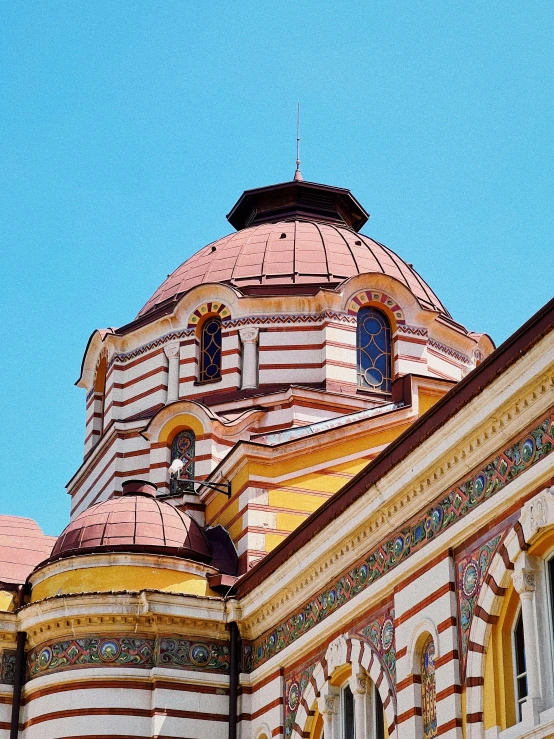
[210,350]
[183,448]
[428,690]
[520,665]
[373,343]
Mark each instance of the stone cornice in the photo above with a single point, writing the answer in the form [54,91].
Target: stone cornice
[147,612]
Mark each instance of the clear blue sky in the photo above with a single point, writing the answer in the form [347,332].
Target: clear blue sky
[128,129]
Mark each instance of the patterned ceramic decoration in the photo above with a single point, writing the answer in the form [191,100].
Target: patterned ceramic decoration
[294,688]
[182,448]
[130,652]
[428,691]
[471,570]
[380,634]
[7,667]
[388,634]
[447,510]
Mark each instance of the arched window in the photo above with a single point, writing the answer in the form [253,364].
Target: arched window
[210,350]
[428,690]
[373,343]
[520,665]
[183,448]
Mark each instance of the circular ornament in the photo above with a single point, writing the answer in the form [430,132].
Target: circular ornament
[200,655]
[362,574]
[436,518]
[387,634]
[528,449]
[398,545]
[374,633]
[44,658]
[470,579]
[479,483]
[331,597]
[294,696]
[109,650]
[272,639]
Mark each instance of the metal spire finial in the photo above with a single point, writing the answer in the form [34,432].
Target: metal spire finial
[298,173]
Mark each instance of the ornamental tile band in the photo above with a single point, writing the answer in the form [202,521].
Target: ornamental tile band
[127,652]
[7,667]
[405,541]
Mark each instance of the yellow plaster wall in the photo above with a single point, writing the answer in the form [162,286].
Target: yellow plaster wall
[300,493]
[6,601]
[499,699]
[426,401]
[121,577]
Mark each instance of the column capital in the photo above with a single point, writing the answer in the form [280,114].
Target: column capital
[524,581]
[249,335]
[523,576]
[327,704]
[358,684]
[171,350]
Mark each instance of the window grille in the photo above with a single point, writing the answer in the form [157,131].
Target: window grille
[210,350]
[183,448]
[373,342]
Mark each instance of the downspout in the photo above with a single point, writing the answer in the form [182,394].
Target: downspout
[19,668]
[234,657]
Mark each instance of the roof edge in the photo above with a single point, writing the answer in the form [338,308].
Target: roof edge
[505,355]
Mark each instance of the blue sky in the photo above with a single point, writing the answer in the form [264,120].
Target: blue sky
[128,130]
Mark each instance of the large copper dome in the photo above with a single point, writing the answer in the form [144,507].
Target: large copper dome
[134,521]
[291,238]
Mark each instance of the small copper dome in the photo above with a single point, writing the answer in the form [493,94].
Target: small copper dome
[134,521]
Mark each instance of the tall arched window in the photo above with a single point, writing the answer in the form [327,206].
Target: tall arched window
[183,448]
[520,666]
[428,690]
[373,343]
[210,350]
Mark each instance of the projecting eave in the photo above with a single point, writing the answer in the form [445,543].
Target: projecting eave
[88,363]
[407,443]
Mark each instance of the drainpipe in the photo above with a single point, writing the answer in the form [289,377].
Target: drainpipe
[234,656]
[18,674]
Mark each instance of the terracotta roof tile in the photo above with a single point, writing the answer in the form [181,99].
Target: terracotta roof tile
[315,253]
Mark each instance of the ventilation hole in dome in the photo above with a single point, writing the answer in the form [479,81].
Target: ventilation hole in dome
[358,242]
[214,248]
[283,236]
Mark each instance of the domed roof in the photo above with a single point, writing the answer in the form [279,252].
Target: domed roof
[287,257]
[135,521]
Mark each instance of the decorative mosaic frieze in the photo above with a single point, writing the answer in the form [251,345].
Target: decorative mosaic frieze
[7,667]
[128,652]
[441,515]
[294,689]
[316,318]
[470,573]
[449,351]
[412,330]
[194,655]
[124,357]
